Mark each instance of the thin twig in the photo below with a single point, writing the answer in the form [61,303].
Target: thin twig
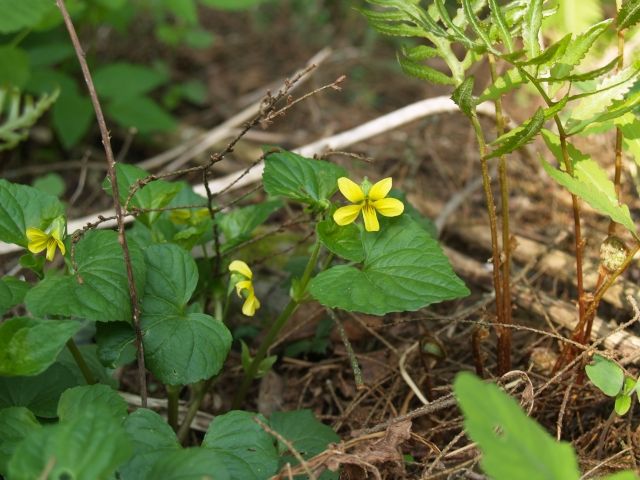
[106,143]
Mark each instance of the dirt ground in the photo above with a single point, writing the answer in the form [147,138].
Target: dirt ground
[432,159]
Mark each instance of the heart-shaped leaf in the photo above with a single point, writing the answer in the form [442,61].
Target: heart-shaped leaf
[404,269]
[248,451]
[180,347]
[189,464]
[343,241]
[85,397]
[28,346]
[98,290]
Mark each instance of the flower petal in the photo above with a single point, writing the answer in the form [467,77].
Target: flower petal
[370,219]
[38,240]
[244,285]
[240,267]
[346,215]
[51,249]
[389,207]
[350,190]
[61,246]
[380,189]
[250,305]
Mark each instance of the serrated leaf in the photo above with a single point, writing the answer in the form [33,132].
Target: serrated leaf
[343,241]
[474,22]
[532,22]
[28,346]
[499,20]
[196,463]
[39,393]
[419,53]
[152,439]
[512,444]
[605,375]
[519,136]
[22,206]
[506,82]
[238,224]
[115,343]
[12,292]
[15,424]
[457,33]
[98,290]
[404,269]
[463,96]
[247,451]
[91,445]
[629,14]
[586,76]
[551,53]
[417,15]
[423,72]
[302,179]
[615,110]
[180,348]
[76,400]
[590,181]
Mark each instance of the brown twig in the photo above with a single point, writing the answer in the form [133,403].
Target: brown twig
[106,143]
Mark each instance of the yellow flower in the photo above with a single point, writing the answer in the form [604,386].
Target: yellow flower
[39,240]
[370,199]
[251,303]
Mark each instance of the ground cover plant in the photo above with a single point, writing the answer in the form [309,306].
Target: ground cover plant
[119,335]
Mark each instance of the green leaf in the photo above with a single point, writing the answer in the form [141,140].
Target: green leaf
[615,110]
[141,113]
[155,195]
[72,116]
[122,80]
[184,10]
[98,290]
[238,225]
[28,346]
[393,23]
[14,67]
[15,424]
[247,451]
[463,96]
[506,82]
[456,31]
[246,359]
[21,207]
[512,444]
[622,404]
[231,4]
[196,463]
[12,292]
[551,53]
[24,14]
[499,20]
[589,181]
[302,179]
[152,439]
[520,136]
[404,269]
[80,399]
[38,393]
[423,72]
[575,16]
[22,114]
[308,436]
[532,22]
[343,241]
[88,351]
[605,375]
[51,183]
[90,445]
[180,347]
[629,14]
[115,343]
[419,53]
[473,20]
[626,475]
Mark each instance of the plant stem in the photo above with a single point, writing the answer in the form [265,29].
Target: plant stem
[200,391]
[504,338]
[617,178]
[504,202]
[80,361]
[111,170]
[275,328]
[173,394]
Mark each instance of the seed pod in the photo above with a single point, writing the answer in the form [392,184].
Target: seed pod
[613,253]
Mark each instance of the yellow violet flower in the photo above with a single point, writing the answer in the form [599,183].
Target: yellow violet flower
[369,199]
[39,240]
[251,303]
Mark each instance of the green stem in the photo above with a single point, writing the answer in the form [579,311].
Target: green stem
[200,392]
[80,361]
[173,394]
[275,328]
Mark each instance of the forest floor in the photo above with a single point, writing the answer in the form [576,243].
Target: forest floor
[432,159]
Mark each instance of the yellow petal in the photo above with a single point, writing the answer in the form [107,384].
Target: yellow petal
[240,267]
[350,190]
[380,189]
[250,305]
[244,285]
[37,240]
[61,246]
[51,249]
[389,207]
[346,215]
[370,219]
